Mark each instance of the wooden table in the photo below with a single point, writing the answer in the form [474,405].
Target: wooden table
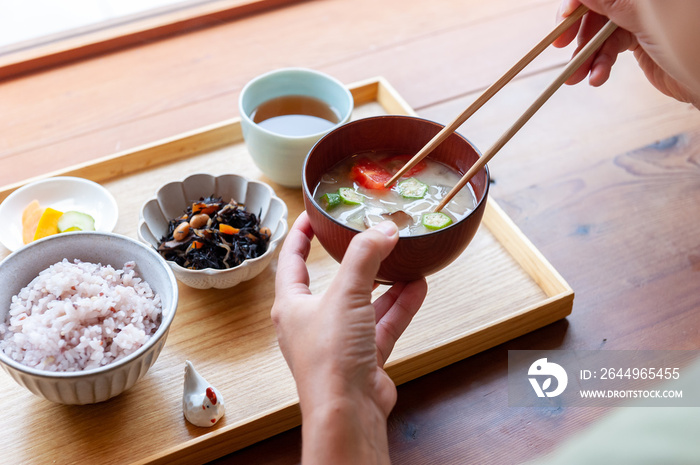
[605,181]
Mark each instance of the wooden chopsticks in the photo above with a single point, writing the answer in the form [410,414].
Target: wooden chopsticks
[573,65]
[491,91]
[568,71]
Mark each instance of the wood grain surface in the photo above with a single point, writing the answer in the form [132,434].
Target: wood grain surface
[604,181]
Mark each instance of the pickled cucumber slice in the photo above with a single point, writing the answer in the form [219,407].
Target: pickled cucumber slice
[436,220]
[330,200]
[412,188]
[75,221]
[349,196]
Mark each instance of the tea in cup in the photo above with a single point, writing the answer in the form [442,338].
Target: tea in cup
[284,113]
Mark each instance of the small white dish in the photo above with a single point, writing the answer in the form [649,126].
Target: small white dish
[63,193]
[172,199]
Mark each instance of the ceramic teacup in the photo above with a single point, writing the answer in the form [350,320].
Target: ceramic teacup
[281,156]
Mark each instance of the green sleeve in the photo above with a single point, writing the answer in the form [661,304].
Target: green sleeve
[637,435]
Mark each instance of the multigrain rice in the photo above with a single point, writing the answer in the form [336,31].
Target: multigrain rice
[78,316]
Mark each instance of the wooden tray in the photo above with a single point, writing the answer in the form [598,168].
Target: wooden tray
[500,288]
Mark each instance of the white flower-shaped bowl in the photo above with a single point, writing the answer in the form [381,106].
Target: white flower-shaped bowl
[97,384]
[172,199]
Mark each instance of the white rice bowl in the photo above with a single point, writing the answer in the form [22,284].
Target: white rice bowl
[78,316]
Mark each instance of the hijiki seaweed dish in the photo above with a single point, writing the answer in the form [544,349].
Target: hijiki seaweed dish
[214,234]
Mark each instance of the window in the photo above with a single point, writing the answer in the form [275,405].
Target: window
[38,33]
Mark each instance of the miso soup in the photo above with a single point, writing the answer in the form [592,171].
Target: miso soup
[353,193]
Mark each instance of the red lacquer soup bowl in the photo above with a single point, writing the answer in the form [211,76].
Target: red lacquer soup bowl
[414,256]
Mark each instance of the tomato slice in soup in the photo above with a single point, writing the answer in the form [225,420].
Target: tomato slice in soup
[369,174]
[395,163]
[373,175]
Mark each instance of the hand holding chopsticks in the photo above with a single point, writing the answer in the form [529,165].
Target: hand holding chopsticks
[573,65]
[570,68]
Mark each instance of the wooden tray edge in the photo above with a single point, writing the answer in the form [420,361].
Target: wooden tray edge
[234,437]
[527,320]
[199,140]
[524,252]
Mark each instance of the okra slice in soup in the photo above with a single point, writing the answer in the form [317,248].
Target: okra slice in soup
[436,220]
[330,200]
[350,196]
[412,188]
